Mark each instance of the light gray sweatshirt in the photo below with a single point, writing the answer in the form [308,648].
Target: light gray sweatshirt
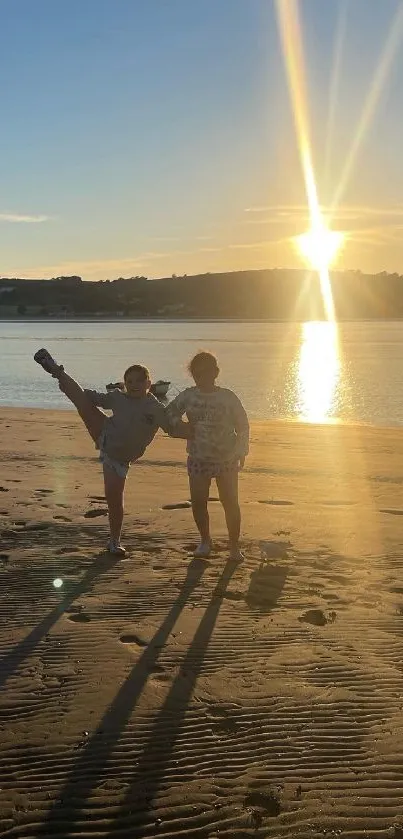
[221,427]
[133,424]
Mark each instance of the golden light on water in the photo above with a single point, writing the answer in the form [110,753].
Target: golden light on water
[319,366]
[318,371]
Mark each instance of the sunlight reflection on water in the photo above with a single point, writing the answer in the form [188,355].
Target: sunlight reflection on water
[318,371]
[314,371]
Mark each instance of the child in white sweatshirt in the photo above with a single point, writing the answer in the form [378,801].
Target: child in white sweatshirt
[217,448]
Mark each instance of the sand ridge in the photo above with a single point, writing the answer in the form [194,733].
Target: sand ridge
[166,696]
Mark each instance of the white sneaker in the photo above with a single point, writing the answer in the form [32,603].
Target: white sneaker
[203,551]
[116,548]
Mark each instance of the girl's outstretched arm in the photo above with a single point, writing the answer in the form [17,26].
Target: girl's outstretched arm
[171,421]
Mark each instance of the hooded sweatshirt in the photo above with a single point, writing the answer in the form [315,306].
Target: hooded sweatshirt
[132,426]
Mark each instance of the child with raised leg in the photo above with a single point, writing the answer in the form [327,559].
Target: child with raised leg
[121,438]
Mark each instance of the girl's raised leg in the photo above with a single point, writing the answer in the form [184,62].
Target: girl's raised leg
[92,416]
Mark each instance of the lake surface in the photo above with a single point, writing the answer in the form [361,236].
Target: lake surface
[314,371]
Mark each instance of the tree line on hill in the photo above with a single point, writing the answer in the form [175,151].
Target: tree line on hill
[277,294]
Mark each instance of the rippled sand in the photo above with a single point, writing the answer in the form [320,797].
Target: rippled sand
[164,696]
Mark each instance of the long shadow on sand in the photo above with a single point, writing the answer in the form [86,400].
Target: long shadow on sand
[90,767]
[157,752]
[10,662]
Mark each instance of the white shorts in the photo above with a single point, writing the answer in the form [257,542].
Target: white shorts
[121,469]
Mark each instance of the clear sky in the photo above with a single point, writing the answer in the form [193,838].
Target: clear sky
[156,136]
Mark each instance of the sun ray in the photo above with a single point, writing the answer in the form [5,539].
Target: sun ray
[383,68]
[334,88]
[316,405]
[290,34]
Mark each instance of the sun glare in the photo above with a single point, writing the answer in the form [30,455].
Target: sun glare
[320,246]
[318,372]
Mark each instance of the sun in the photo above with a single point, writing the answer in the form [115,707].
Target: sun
[320,246]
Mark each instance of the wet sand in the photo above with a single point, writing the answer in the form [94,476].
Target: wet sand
[166,696]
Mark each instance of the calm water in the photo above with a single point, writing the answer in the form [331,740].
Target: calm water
[314,372]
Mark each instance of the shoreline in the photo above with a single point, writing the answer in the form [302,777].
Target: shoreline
[189,319]
[275,422]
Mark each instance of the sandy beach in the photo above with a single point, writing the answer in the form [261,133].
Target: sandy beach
[162,696]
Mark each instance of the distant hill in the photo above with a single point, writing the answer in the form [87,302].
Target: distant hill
[267,294]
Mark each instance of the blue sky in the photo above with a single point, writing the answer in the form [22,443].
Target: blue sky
[157,137]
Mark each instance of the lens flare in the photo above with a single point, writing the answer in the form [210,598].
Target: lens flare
[380,78]
[318,372]
[320,246]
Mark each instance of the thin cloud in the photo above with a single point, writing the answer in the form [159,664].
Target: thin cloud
[164,239]
[17,218]
[283,212]
[262,244]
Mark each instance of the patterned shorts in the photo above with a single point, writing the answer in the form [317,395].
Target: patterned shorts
[212,469]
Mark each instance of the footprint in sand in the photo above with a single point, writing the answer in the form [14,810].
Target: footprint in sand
[181,505]
[273,549]
[234,595]
[276,503]
[92,514]
[79,617]
[62,518]
[315,617]
[338,503]
[392,512]
[9,534]
[223,721]
[267,803]
[129,638]
[226,726]
[211,498]
[45,491]
[14,480]
[4,489]
[40,525]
